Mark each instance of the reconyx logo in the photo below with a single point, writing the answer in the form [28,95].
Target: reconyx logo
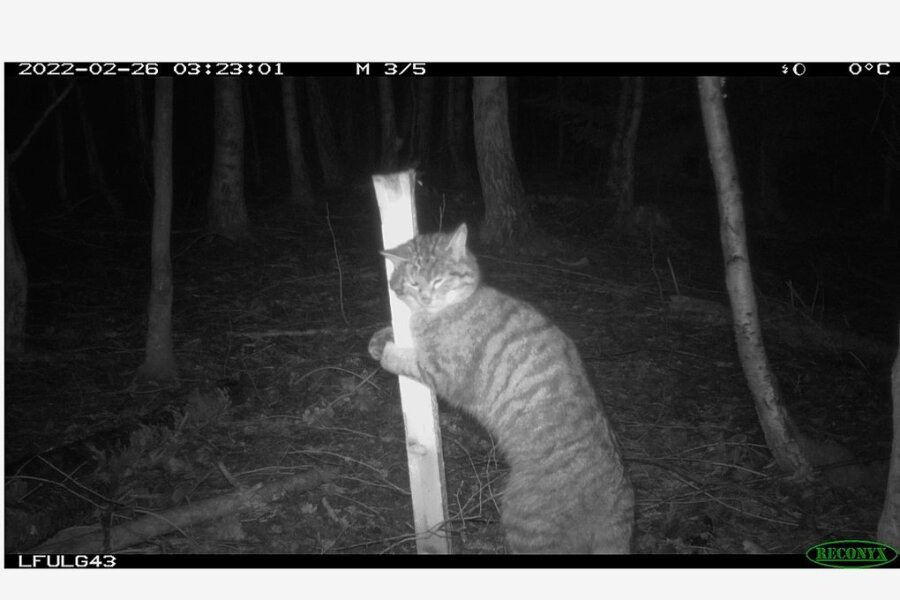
[851,554]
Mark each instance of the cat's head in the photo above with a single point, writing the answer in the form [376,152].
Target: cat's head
[434,270]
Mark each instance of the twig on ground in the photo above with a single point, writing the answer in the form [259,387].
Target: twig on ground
[337,259]
[674,279]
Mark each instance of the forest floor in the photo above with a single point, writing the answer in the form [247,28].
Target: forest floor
[275,383]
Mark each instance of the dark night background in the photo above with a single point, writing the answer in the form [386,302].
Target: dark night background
[830,148]
[818,160]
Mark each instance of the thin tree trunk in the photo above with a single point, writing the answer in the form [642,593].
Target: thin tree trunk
[780,433]
[889,523]
[620,184]
[62,188]
[770,210]
[301,190]
[94,166]
[370,128]
[887,191]
[631,135]
[143,136]
[390,140]
[323,130]
[404,111]
[16,298]
[159,360]
[456,131]
[560,130]
[507,216]
[348,124]
[255,158]
[424,115]
[615,148]
[227,211]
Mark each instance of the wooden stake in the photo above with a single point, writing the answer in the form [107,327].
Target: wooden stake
[420,415]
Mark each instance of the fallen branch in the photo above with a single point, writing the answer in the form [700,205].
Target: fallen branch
[286,333]
[79,540]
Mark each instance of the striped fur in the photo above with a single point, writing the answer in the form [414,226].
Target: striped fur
[502,361]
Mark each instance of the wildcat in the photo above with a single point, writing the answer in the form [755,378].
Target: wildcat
[502,361]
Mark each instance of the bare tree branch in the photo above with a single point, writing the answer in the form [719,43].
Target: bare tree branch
[62,96]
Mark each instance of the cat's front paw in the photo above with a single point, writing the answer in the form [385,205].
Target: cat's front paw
[378,342]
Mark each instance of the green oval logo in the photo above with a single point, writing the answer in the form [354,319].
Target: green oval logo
[851,554]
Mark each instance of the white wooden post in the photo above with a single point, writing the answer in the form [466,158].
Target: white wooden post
[395,194]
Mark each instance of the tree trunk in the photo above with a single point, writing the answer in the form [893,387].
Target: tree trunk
[620,184]
[301,190]
[769,204]
[889,523]
[507,216]
[227,211]
[405,108]
[512,95]
[424,115]
[455,111]
[887,191]
[780,433]
[350,116]
[323,130]
[254,160]
[143,136]
[96,174]
[16,299]
[16,284]
[615,148]
[159,360]
[560,129]
[390,140]
[62,188]
[369,134]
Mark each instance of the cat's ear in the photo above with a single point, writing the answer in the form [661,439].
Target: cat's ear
[457,243]
[394,257]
